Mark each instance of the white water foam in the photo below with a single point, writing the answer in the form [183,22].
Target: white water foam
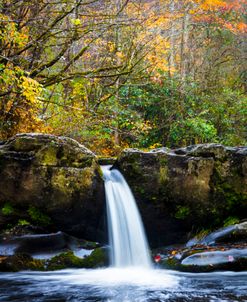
[152,279]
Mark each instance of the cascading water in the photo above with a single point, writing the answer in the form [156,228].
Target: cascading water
[131,279]
[127,238]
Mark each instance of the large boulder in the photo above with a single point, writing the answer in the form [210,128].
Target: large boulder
[184,190]
[53,182]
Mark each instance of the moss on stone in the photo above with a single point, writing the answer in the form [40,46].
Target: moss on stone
[163,160]
[230,220]
[20,144]
[38,217]
[233,198]
[238,265]
[67,180]
[106,160]
[170,263]
[56,175]
[7,209]
[163,175]
[87,176]
[19,262]
[99,171]
[227,193]
[69,260]
[48,156]
[64,260]
[98,258]
[22,222]
[182,212]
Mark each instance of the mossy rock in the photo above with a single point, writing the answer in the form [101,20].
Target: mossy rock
[223,249]
[48,150]
[106,160]
[186,190]
[51,181]
[237,266]
[20,262]
[96,259]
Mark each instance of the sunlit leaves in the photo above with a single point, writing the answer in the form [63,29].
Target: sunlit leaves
[20,105]
[152,73]
[227,14]
[10,36]
[30,89]
[76,21]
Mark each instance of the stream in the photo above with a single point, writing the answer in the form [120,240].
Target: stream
[122,285]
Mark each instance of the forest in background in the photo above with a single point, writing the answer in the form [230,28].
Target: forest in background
[124,73]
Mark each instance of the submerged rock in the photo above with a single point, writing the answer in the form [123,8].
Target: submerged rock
[52,182]
[183,190]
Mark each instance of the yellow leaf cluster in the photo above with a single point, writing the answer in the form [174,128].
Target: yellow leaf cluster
[211,5]
[9,35]
[30,89]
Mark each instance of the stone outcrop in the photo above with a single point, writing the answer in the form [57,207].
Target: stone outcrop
[56,184]
[53,182]
[184,190]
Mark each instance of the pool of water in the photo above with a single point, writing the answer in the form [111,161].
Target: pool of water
[122,285]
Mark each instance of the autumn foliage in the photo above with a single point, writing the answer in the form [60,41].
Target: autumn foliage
[116,74]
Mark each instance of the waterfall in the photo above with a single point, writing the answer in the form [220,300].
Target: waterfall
[127,238]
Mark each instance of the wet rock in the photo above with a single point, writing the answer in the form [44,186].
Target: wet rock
[187,189]
[46,252]
[42,244]
[18,262]
[98,258]
[205,259]
[21,230]
[106,160]
[220,250]
[52,182]
[215,257]
[231,234]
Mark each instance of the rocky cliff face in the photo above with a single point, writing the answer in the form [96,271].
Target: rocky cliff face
[184,190]
[56,184]
[53,182]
